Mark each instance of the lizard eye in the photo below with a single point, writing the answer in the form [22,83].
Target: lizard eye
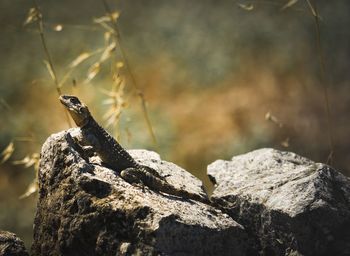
[74,100]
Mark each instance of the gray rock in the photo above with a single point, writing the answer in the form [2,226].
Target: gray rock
[87,209]
[288,204]
[11,245]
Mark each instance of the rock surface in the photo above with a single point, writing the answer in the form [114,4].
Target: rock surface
[287,203]
[87,209]
[11,245]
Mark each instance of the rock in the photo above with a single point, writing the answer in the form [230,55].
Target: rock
[87,209]
[11,245]
[287,203]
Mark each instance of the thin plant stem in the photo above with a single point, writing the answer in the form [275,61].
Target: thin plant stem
[324,81]
[139,92]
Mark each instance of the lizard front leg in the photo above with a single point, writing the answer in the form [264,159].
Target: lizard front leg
[86,147]
[83,150]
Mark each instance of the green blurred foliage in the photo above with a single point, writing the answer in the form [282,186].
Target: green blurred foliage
[210,72]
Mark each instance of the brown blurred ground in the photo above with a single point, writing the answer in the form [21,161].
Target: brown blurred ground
[210,71]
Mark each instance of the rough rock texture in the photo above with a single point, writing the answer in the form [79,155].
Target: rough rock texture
[289,204]
[11,245]
[87,209]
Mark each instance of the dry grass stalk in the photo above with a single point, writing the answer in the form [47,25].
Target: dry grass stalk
[324,81]
[115,32]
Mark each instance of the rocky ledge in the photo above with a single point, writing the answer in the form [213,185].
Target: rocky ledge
[266,202]
[87,209]
[288,204]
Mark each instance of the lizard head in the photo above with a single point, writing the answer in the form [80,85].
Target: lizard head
[78,110]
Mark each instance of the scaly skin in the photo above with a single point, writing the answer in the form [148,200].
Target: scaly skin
[114,155]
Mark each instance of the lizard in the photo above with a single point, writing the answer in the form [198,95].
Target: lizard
[96,138]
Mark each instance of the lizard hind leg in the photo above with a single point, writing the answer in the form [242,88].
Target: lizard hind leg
[130,176]
[153,172]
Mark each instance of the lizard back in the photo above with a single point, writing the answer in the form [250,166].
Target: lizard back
[108,149]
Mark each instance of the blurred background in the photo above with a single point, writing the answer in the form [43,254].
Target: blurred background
[220,78]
